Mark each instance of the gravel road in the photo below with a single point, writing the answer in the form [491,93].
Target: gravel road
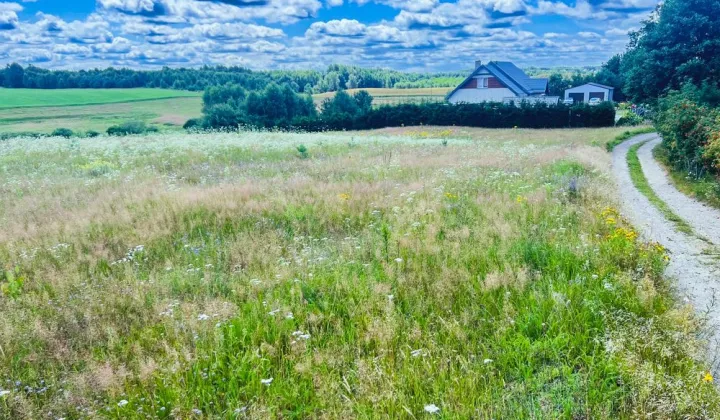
[694,261]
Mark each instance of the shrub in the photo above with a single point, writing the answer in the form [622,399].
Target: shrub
[630,119]
[62,132]
[130,127]
[91,133]
[690,128]
[193,124]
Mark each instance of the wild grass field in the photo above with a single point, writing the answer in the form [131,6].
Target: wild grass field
[401,273]
[396,96]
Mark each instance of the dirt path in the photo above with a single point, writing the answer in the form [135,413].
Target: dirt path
[692,264]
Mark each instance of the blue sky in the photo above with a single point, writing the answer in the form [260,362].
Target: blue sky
[413,35]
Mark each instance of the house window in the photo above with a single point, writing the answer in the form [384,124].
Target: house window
[482,82]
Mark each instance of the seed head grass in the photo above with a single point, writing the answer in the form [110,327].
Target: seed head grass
[385,275]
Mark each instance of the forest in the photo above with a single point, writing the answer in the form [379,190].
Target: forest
[335,77]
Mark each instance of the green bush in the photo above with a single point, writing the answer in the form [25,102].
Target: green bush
[130,127]
[630,119]
[690,128]
[62,132]
[91,133]
[193,124]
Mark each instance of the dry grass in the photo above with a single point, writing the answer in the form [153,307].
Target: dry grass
[169,275]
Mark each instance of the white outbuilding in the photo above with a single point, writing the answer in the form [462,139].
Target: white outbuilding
[584,93]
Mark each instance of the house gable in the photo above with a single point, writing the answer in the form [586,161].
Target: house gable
[500,75]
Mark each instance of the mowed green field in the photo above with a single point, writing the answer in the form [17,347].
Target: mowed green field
[43,111]
[14,98]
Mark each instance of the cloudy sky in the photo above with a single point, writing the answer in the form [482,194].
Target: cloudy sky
[417,35]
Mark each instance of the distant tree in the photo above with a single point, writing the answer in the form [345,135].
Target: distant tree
[364,101]
[62,132]
[14,76]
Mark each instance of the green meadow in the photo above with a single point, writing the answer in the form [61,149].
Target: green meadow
[400,273]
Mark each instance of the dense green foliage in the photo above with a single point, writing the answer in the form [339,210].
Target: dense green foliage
[690,128]
[130,127]
[336,77]
[680,42]
[275,106]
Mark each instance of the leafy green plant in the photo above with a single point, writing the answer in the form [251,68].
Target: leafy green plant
[11,283]
[303,151]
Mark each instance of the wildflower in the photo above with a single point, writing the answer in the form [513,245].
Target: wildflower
[432,409]
[240,410]
[266,382]
[4,393]
[344,196]
[451,196]
[610,221]
[122,403]
[197,411]
[520,199]
[398,260]
[708,377]
[203,317]
[416,353]
[289,315]
[487,361]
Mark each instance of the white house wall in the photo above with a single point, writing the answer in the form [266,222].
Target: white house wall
[472,96]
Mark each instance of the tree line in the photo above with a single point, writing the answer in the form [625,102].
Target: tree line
[334,78]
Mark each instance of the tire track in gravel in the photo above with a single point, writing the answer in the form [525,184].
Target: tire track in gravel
[696,271]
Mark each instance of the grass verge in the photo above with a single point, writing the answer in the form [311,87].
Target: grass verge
[641,183]
[705,189]
[626,135]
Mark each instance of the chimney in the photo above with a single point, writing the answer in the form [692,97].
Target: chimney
[478,63]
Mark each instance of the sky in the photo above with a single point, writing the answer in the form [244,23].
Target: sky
[409,35]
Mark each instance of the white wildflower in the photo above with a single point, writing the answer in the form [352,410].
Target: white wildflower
[432,408]
[122,403]
[398,260]
[4,393]
[266,382]
[416,353]
[486,361]
[203,317]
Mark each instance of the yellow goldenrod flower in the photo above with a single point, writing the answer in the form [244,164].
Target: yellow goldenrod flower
[708,377]
[521,199]
[344,196]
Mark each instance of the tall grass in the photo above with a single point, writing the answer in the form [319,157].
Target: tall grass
[223,276]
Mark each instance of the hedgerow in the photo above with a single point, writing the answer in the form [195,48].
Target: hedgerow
[228,106]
